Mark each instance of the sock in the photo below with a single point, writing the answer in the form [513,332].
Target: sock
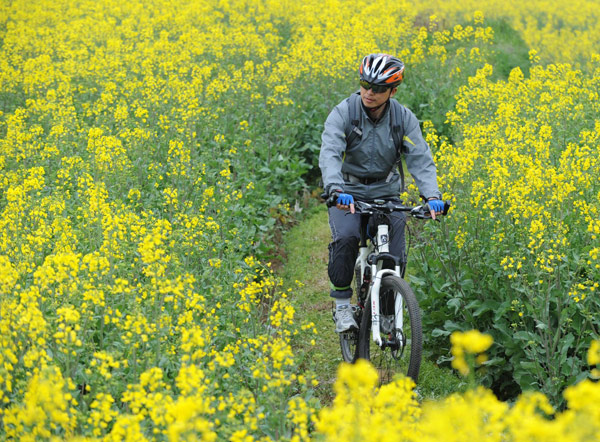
[339,303]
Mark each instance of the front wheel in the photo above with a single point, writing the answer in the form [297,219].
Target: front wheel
[400,329]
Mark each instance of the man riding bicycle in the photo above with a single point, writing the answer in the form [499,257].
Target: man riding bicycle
[359,159]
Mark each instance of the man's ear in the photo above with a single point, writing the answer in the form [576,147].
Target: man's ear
[394,90]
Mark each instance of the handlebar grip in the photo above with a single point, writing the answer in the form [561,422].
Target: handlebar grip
[330,200]
[446,208]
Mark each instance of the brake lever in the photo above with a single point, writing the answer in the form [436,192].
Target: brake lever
[361,206]
[421,212]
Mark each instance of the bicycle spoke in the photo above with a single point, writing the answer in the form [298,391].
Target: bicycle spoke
[401,351]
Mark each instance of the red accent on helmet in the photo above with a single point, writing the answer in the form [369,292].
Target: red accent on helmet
[396,78]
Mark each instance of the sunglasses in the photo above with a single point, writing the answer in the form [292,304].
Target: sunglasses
[376,88]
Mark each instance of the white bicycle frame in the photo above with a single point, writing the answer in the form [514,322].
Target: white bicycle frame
[375,284]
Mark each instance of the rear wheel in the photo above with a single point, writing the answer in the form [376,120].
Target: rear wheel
[402,344]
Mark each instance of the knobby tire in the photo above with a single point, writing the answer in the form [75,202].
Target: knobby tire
[383,359]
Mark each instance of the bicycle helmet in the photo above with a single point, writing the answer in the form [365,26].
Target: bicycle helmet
[382,69]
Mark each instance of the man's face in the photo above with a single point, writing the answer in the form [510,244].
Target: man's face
[373,99]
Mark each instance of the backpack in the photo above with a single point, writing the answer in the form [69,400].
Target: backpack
[353,130]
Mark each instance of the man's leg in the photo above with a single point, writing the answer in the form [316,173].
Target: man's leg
[343,250]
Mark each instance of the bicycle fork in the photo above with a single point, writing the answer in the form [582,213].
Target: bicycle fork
[383,249]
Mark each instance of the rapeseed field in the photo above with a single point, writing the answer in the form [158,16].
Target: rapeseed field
[152,153]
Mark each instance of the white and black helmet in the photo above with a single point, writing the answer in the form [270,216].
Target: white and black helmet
[382,69]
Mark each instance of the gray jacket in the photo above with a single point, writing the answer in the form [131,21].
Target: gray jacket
[368,169]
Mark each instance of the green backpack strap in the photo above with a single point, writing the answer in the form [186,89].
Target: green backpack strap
[398,136]
[353,128]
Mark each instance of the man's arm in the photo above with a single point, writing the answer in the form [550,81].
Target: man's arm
[418,157]
[333,148]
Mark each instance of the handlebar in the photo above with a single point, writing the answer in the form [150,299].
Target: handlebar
[382,206]
[386,206]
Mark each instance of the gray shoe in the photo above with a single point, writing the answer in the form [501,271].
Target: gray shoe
[344,319]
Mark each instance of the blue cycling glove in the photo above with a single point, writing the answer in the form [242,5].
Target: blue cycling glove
[436,205]
[345,199]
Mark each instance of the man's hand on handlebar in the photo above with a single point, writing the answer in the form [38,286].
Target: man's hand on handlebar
[341,200]
[436,207]
[345,201]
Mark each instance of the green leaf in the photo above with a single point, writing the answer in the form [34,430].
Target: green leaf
[530,366]
[443,359]
[452,326]
[568,340]
[487,306]
[436,333]
[495,362]
[526,336]
[501,310]
[455,303]
[568,367]
[581,376]
[502,327]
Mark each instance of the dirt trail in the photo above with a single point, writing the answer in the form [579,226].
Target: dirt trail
[306,262]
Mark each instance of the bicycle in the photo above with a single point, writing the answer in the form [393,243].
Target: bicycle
[387,307]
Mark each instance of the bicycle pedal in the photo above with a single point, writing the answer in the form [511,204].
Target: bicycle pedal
[350,335]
